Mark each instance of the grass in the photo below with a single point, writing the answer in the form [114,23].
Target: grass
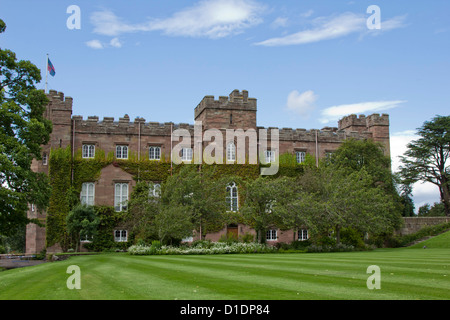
[405,274]
[440,241]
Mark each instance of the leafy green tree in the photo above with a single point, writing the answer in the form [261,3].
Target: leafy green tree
[427,158]
[82,223]
[143,207]
[344,200]
[437,210]
[354,155]
[407,201]
[173,222]
[265,204]
[201,192]
[23,130]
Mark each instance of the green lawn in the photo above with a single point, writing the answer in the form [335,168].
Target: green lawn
[441,241]
[405,274]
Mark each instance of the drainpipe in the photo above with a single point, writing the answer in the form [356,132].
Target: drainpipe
[317,151]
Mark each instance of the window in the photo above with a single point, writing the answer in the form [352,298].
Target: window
[328,156]
[120,196]
[271,235]
[120,236]
[186,154]
[270,156]
[231,118]
[231,152]
[87,193]
[232,197]
[85,238]
[122,152]
[88,150]
[44,159]
[300,156]
[32,207]
[155,190]
[302,234]
[154,153]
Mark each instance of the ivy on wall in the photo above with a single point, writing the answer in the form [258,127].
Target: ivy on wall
[60,169]
[67,174]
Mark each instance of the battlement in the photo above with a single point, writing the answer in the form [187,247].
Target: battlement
[363,121]
[124,125]
[331,134]
[235,101]
[57,98]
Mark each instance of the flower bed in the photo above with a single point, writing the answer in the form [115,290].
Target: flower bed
[211,248]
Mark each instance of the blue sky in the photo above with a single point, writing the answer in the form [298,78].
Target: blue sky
[307,62]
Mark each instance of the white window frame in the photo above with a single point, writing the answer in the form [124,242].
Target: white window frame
[231,152]
[271,235]
[154,153]
[44,159]
[121,151]
[120,196]
[300,156]
[186,154]
[86,196]
[88,151]
[232,197]
[120,235]
[302,234]
[269,156]
[154,191]
[86,238]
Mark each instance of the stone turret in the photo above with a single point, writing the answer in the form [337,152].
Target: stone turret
[377,126]
[235,111]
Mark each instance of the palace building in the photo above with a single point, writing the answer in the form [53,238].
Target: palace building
[138,139]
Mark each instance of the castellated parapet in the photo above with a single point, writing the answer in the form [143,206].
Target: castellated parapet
[235,101]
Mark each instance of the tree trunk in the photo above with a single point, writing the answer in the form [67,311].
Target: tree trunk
[338,234]
[445,194]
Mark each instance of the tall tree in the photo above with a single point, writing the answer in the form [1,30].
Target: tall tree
[82,223]
[342,200]
[265,205]
[23,130]
[426,159]
[201,192]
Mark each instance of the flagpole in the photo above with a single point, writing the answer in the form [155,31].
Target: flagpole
[46,74]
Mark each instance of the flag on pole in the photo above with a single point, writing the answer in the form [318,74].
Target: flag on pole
[50,68]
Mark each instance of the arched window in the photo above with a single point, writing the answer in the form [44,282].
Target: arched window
[232,197]
[231,152]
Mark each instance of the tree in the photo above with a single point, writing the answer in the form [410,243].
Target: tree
[82,223]
[200,191]
[426,159]
[354,155]
[23,130]
[265,204]
[143,207]
[344,200]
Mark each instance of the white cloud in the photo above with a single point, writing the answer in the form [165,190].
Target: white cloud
[301,103]
[307,14]
[208,18]
[327,28]
[115,42]
[279,22]
[398,143]
[422,192]
[97,44]
[94,44]
[334,113]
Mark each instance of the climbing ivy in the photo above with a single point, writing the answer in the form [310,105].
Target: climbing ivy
[68,172]
[60,169]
